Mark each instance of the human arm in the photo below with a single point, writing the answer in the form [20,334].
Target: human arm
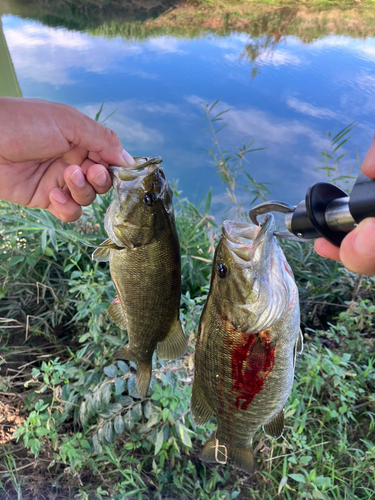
[54,157]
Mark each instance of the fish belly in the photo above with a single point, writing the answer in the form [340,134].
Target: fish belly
[246,378]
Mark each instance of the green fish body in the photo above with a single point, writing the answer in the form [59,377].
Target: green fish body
[249,334]
[144,260]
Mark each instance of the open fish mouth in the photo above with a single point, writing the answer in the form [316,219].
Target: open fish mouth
[245,239]
[125,179]
[143,166]
[266,288]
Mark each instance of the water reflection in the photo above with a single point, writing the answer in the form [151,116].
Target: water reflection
[158,72]
[139,19]
[84,14]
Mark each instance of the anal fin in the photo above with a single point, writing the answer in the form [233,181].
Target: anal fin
[125,353]
[102,253]
[200,408]
[116,313]
[215,452]
[275,426]
[174,345]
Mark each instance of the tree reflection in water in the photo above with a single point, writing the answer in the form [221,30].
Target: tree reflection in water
[86,14]
[141,19]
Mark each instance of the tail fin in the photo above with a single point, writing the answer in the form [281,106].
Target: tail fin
[242,458]
[143,378]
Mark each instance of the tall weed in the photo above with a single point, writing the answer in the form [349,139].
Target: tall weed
[84,420]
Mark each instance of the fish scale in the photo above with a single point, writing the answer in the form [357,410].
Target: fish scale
[145,265]
[147,288]
[243,370]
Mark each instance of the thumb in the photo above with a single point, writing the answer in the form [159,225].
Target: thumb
[368,165]
[357,251]
[88,134]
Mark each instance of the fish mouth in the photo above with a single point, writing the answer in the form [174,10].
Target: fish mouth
[143,166]
[245,239]
[124,179]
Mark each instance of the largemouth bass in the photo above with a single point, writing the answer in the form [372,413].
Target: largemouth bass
[249,334]
[144,260]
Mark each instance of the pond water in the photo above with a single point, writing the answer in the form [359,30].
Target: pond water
[283,91]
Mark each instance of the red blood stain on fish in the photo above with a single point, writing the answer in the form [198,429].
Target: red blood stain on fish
[252,360]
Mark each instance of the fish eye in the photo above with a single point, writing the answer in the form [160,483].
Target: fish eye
[222,270]
[149,199]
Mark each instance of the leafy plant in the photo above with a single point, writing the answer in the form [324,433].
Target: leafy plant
[332,157]
[230,166]
[83,417]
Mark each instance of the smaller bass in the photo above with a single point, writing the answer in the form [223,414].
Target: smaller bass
[144,261]
[249,334]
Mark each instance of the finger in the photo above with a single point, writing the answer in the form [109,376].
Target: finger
[327,249]
[95,157]
[357,251]
[63,206]
[86,133]
[368,165]
[99,178]
[80,189]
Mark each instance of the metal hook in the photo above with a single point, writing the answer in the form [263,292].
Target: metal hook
[274,206]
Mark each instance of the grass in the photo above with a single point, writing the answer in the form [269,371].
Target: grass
[307,20]
[264,23]
[86,434]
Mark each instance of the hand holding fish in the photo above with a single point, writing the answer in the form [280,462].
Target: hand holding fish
[357,251]
[54,157]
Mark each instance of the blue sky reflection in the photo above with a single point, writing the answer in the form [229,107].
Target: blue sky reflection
[157,85]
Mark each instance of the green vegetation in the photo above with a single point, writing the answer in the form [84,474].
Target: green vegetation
[269,19]
[84,432]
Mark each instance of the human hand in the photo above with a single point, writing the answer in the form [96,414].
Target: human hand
[54,157]
[357,250]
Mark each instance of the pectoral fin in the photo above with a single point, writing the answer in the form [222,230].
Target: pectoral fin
[275,427]
[298,348]
[116,313]
[174,345]
[300,343]
[200,408]
[102,253]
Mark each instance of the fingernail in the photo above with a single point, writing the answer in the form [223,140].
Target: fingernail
[59,195]
[128,158]
[100,179]
[365,240]
[77,178]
